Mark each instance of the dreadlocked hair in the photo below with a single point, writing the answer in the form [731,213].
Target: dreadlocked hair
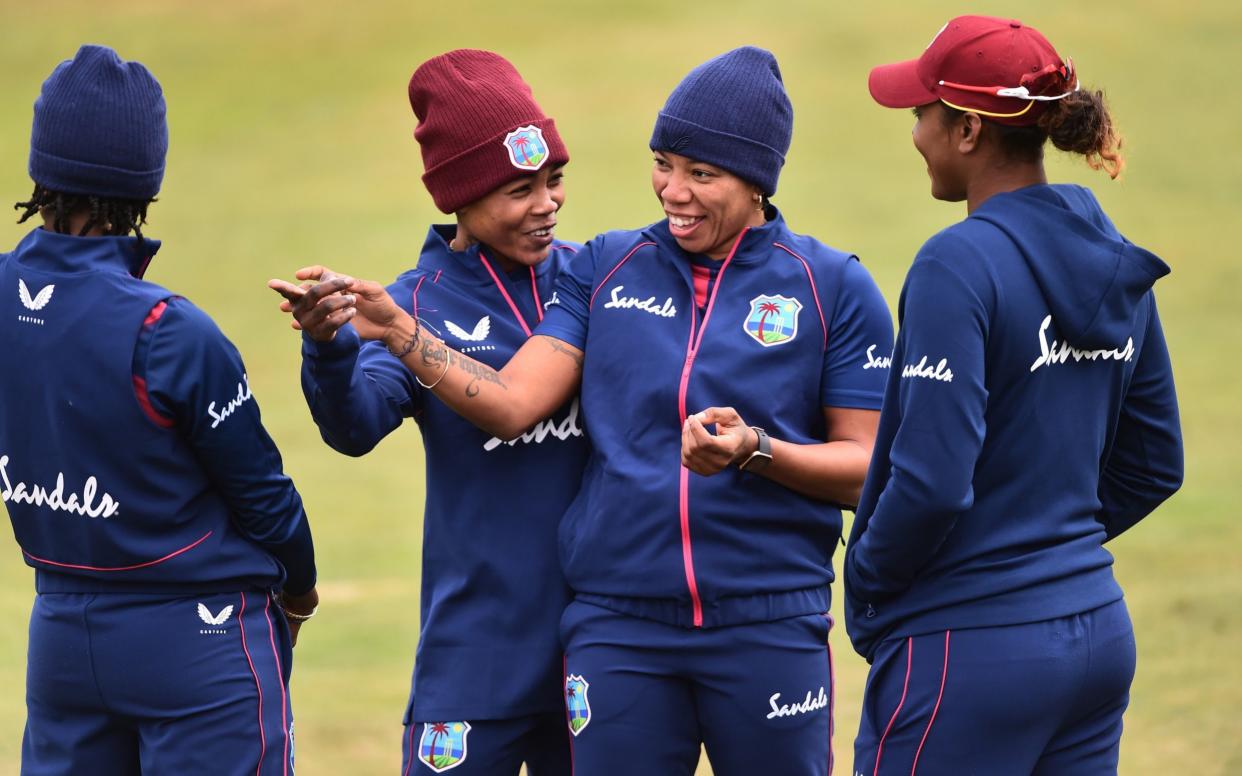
[1078,124]
[115,217]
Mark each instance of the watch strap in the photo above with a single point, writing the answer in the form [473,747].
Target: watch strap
[762,456]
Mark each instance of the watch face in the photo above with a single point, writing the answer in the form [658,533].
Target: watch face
[756,462]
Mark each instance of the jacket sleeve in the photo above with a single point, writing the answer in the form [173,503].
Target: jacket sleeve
[357,393]
[196,378]
[860,342]
[942,398]
[569,312]
[1145,463]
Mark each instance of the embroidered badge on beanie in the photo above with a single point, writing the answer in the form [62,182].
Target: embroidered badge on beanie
[526,148]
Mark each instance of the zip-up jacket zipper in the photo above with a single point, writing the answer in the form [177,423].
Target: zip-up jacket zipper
[683,497]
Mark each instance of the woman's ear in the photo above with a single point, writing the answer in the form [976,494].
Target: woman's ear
[967,131]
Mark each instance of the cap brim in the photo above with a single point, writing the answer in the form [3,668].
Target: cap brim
[898,85]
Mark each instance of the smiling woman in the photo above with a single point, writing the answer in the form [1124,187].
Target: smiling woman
[700,546]
[707,206]
[491,590]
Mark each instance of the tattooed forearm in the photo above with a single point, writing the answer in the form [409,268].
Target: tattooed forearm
[477,372]
[561,347]
[434,353]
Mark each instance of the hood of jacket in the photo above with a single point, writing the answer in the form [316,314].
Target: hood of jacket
[1092,277]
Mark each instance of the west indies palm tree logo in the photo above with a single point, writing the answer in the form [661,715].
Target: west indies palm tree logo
[526,148]
[773,319]
[576,704]
[443,745]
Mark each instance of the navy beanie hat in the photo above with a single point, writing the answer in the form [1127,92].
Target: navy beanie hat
[100,128]
[731,111]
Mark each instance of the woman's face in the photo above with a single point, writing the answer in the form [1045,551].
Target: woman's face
[517,219]
[706,206]
[936,142]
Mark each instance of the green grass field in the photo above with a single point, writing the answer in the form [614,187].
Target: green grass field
[291,145]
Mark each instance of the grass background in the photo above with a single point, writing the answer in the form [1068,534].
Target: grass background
[291,145]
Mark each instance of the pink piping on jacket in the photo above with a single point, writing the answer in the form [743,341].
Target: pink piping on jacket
[186,548]
[814,293]
[603,282]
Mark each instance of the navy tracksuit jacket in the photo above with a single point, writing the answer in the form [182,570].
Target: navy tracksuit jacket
[1030,417]
[144,491]
[492,592]
[647,537]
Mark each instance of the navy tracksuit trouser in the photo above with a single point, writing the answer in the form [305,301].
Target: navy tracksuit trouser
[642,696]
[121,685]
[1042,698]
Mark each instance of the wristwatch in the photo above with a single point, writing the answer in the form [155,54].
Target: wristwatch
[758,460]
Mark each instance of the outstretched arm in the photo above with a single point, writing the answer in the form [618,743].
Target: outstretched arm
[540,377]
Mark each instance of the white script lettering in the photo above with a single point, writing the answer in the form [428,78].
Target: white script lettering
[876,363]
[54,499]
[666,310]
[790,709]
[566,429]
[243,396]
[1059,353]
[940,372]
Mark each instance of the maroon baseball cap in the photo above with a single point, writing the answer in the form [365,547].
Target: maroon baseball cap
[998,68]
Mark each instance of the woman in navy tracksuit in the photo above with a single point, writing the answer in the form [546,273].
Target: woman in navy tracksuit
[1030,417]
[134,466]
[485,695]
[730,372]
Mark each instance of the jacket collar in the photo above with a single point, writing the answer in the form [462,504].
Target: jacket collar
[53,252]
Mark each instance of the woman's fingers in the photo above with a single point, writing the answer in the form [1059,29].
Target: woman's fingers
[290,292]
[701,451]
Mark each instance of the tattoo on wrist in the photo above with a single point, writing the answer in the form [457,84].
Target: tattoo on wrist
[409,346]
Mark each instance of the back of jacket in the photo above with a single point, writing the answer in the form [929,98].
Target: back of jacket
[100,495]
[1030,415]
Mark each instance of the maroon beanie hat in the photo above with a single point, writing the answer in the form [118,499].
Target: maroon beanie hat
[479,126]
